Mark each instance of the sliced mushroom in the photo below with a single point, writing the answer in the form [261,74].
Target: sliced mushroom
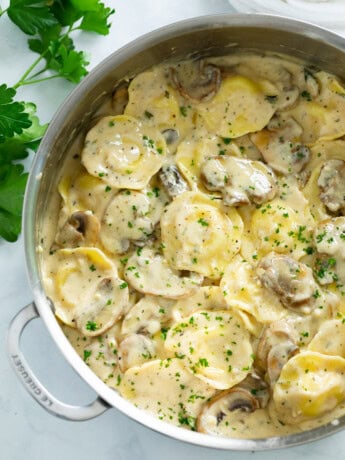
[130,217]
[277,357]
[279,146]
[329,239]
[120,99]
[171,136]
[240,181]
[80,229]
[135,350]
[249,396]
[286,127]
[306,81]
[196,81]
[276,333]
[290,280]
[247,148]
[255,384]
[172,180]
[104,308]
[287,98]
[276,346]
[331,183]
[147,271]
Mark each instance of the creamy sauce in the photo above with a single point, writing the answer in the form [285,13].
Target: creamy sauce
[198,265]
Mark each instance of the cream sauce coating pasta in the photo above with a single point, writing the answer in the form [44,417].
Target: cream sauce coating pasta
[197,260]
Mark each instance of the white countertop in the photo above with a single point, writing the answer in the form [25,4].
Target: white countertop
[26,430]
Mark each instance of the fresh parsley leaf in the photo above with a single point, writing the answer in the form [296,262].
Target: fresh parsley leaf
[65,12]
[19,146]
[35,132]
[46,38]
[60,55]
[12,187]
[69,63]
[13,118]
[85,5]
[11,150]
[10,226]
[93,13]
[97,21]
[31,16]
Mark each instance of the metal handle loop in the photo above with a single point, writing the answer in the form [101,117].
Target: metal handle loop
[33,385]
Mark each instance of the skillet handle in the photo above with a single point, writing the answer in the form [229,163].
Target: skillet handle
[33,385]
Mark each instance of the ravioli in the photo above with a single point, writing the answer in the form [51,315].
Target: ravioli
[242,290]
[159,104]
[214,346]
[310,385]
[166,379]
[123,152]
[199,235]
[240,107]
[130,217]
[277,226]
[76,195]
[86,290]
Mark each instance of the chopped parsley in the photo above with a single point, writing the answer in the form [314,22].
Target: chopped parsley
[203,222]
[148,114]
[183,111]
[91,326]
[306,95]
[87,354]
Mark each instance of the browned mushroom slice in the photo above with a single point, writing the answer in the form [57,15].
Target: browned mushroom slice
[257,387]
[276,333]
[172,180]
[279,146]
[243,397]
[287,98]
[240,181]
[331,183]
[104,308]
[307,82]
[276,346]
[196,81]
[134,350]
[290,280]
[120,99]
[80,229]
[277,357]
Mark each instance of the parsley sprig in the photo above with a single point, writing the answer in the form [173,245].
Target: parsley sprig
[50,26]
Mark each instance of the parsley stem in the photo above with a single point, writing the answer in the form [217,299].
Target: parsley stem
[38,73]
[22,79]
[3,11]
[38,80]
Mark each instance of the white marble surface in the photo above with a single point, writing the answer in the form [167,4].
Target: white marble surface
[26,430]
